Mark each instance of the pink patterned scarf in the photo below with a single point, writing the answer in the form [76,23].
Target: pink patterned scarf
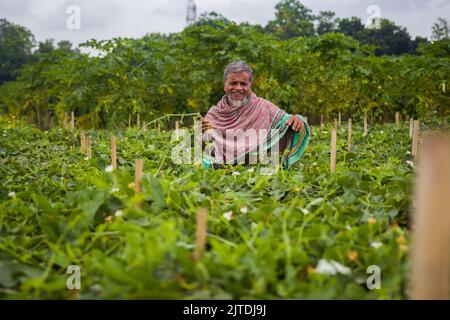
[237,130]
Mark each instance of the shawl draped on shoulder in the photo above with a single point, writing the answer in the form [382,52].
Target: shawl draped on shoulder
[241,133]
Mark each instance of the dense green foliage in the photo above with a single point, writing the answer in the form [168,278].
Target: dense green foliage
[183,73]
[16,43]
[58,209]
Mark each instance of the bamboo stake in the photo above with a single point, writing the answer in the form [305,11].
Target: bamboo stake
[339,120]
[411,127]
[366,130]
[129,121]
[159,127]
[113,153]
[397,119]
[138,171]
[333,150]
[177,128]
[349,139]
[335,123]
[83,141]
[89,147]
[321,119]
[72,120]
[415,142]
[430,272]
[200,234]
[137,121]
[64,120]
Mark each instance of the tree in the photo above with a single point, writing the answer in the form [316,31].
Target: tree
[16,43]
[352,27]
[418,42]
[440,30]
[45,47]
[66,46]
[212,18]
[293,19]
[326,22]
[390,39]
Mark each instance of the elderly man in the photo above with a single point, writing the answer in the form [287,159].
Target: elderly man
[242,125]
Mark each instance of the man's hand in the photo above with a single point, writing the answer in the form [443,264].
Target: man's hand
[295,122]
[206,125]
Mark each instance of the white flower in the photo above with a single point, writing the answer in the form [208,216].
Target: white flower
[109,168]
[235,173]
[251,170]
[118,213]
[244,210]
[87,158]
[227,215]
[410,163]
[227,190]
[381,131]
[12,194]
[114,190]
[376,244]
[254,225]
[331,267]
[305,211]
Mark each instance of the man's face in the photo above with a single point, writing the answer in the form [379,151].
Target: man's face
[238,86]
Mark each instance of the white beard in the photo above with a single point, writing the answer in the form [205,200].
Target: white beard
[238,103]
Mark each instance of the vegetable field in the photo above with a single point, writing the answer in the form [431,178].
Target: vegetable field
[301,233]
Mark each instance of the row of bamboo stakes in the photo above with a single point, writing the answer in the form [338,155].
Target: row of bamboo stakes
[430,272]
[414,134]
[430,267]
[138,123]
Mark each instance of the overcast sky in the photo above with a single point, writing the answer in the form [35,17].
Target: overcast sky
[105,19]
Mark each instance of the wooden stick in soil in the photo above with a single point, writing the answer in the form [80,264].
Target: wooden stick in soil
[64,120]
[200,234]
[415,142]
[113,153]
[366,130]
[89,147]
[333,151]
[349,138]
[177,128]
[138,121]
[72,120]
[335,123]
[321,119]
[83,141]
[138,171]
[430,272]
[129,121]
[339,120]
[397,119]
[411,127]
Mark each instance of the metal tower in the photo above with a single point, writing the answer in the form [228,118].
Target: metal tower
[191,12]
